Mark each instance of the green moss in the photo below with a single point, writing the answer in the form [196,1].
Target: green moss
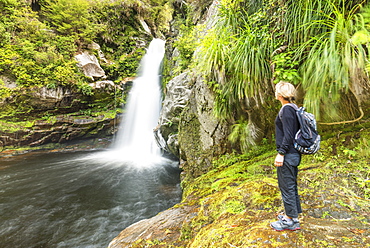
[239,196]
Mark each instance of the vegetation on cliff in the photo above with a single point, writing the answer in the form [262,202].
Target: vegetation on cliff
[38,47]
[321,46]
[38,43]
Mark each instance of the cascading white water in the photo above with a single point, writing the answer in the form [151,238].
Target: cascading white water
[143,106]
[135,142]
[135,138]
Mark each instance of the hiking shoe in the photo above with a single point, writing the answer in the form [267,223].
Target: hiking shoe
[282,216]
[285,224]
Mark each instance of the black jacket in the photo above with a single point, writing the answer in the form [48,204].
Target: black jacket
[286,126]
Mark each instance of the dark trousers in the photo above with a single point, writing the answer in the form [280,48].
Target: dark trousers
[287,179]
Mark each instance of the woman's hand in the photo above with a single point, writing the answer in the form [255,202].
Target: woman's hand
[279,160]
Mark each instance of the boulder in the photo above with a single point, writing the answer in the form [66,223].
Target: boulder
[201,135]
[164,227]
[90,65]
[104,85]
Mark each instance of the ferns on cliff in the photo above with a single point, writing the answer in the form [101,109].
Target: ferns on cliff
[38,47]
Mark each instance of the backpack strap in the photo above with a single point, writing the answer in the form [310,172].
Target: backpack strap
[288,104]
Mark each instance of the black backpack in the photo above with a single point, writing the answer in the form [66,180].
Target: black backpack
[307,140]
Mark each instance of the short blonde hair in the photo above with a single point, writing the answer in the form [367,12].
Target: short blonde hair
[286,90]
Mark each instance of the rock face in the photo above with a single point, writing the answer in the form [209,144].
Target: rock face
[187,124]
[64,128]
[47,126]
[201,135]
[90,65]
[178,91]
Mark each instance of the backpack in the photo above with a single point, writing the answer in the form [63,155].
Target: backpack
[307,140]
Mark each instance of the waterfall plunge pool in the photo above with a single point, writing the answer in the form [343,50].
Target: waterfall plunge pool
[84,199]
[79,199]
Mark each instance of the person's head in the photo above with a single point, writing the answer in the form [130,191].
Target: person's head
[285,90]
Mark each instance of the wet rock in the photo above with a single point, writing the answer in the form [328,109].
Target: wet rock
[164,227]
[105,85]
[178,92]
[65,128]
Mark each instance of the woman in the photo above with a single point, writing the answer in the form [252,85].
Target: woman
[288,158]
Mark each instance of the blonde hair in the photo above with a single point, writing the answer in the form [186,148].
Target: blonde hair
[286,90]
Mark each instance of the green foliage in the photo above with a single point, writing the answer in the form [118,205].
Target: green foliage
[244,133]
[285,68]
[125,49]
[4,91]
[320,46]
[186,44]
[126,65]
[161,14]
[71,18]
[84,88]
[35,55]
[235,53]
[334,64]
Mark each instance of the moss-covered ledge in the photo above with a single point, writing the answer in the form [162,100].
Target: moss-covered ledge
[57,129]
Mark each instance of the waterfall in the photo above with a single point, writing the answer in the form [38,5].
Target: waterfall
[135,138]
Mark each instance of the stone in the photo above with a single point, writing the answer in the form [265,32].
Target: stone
[55,94]
[106,84]
[8,82]
[177,96]
[164,227]
[90,65]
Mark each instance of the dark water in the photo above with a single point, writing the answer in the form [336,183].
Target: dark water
[66,200]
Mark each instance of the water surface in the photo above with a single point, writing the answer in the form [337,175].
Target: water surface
[79,199]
